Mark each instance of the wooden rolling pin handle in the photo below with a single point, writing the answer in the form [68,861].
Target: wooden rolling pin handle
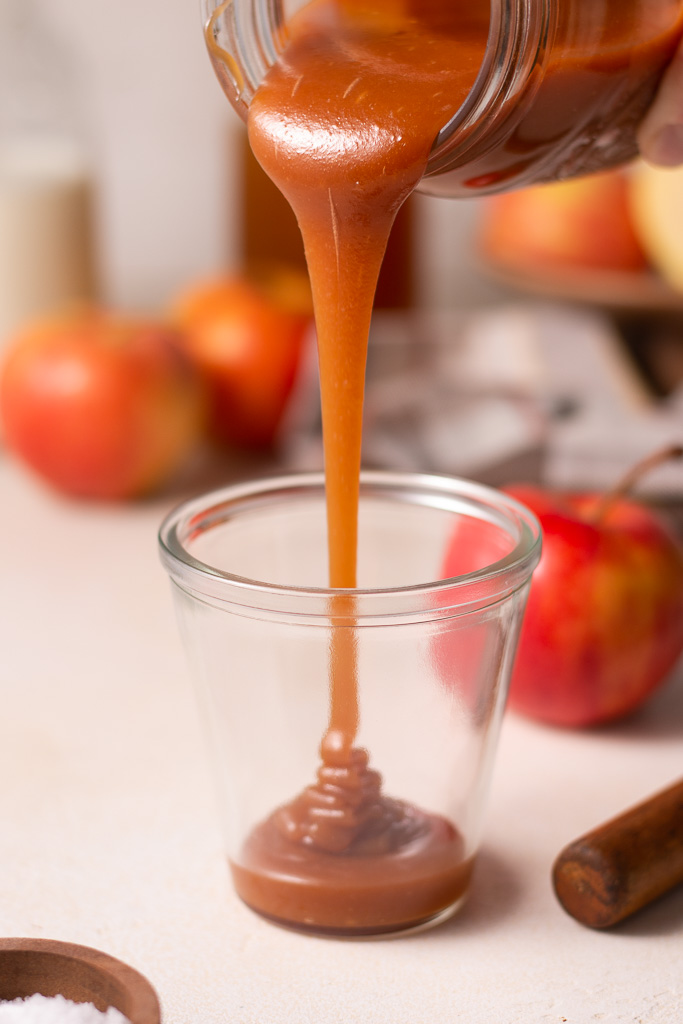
[608,874]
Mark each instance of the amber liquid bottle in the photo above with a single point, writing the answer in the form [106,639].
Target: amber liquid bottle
[269,233]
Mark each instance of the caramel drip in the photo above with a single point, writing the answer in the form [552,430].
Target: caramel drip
[218,55]
[345,812]
[326,127]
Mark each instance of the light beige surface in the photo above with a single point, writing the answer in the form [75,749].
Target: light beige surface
[108,835]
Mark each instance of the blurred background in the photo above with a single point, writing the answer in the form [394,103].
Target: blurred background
[156,131]
[167,150]
[482,363]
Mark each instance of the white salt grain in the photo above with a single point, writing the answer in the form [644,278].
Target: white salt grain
[39,1009]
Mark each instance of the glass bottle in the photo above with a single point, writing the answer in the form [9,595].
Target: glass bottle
[269,234]
[46,192]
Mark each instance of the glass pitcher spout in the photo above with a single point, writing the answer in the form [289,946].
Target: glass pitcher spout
[244,39]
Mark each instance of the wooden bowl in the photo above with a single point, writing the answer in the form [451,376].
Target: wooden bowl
[81,974]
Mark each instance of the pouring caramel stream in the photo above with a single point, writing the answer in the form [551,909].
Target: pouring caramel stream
[344,123]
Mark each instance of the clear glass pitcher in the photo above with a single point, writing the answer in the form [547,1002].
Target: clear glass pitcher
[561,90]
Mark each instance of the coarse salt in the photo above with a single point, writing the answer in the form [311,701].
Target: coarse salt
[39,1009]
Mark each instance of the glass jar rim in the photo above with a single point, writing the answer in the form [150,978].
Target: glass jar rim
[436,598]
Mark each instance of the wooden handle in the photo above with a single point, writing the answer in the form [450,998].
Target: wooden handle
[616,869]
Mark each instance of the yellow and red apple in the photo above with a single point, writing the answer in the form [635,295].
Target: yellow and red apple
[604,621]
[603,627]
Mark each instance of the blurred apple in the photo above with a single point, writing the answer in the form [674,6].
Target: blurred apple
[656,196]
[471,648]
[246,337]
[604,621]
[582,223]
[98,404]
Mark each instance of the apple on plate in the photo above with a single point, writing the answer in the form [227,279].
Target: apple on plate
[584,223]
[246,336]
[98,404]
[604,621]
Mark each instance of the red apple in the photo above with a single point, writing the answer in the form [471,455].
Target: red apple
[604,621]
[582,223]
[100,405]
[470,648]
[246,337]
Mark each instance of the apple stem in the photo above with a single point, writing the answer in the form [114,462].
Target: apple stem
[633,476]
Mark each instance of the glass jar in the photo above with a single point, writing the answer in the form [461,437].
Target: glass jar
[357,853]
[561,91]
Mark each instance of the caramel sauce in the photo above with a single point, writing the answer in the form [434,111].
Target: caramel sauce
[420,871]
[343,124]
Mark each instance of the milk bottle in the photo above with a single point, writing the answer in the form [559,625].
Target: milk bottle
[46,193]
